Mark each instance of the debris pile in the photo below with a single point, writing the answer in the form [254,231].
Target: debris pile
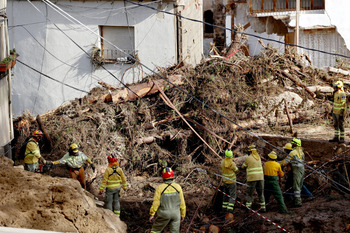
[189,127]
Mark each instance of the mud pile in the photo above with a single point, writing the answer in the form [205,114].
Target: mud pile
[37,201]
[268,94]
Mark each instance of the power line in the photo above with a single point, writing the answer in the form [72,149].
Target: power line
[45,75]
[70,18]
[244,33]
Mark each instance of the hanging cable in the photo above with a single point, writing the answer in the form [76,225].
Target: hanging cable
[71,18]
[233,30]
[45,75]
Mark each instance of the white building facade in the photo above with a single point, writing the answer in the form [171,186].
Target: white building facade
[55,42]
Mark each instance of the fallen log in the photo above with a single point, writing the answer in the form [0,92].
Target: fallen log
[288,75]
[338,71]
[133,92]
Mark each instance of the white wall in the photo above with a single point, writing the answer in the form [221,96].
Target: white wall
[242,18]
[155,39]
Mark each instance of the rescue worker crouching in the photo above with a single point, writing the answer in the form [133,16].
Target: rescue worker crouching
[296,158]
[255,178]
[229,170]
[32,153]
[272,172]
[112,178]
[75,160]
[168,203]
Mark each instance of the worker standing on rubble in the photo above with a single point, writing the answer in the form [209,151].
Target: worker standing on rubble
[229,170]
[168,203]
[272,172]
[296,158]
[75,160]
[339,108]
[255,178]
[112,178]
[32,152]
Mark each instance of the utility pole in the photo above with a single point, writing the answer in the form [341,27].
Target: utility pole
[297,24]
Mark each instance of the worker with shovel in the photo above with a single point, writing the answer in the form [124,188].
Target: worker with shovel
[339,108]
[168,203]
[112,178]
[76,160]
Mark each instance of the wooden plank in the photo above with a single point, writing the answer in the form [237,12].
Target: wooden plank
[251,6]
[262,5]
[274,5]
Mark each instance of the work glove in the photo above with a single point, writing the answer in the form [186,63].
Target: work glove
[342,112]
[151,219]
[93,167]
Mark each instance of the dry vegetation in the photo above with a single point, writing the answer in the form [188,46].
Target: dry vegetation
[147,134]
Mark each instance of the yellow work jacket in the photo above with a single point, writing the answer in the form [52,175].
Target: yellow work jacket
[171,189]
[32,153]
[254,167]
[229,170]
[296,158]
[339,102]
[112,178]
[272,168]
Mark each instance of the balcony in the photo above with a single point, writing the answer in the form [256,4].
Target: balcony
[112,56]
[278,6]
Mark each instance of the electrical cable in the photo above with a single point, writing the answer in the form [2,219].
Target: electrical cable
[45,75]
[66,15]
[243,33]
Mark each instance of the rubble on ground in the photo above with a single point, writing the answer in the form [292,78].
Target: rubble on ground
[271,93]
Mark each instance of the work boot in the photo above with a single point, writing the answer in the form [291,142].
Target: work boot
[341,140]
[335,139]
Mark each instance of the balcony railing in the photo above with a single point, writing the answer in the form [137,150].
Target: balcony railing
[259,6]
[116,56]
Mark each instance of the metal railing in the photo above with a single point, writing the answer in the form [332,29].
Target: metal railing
[116,56]
[259,6]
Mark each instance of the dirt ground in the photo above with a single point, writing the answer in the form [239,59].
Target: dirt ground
[256,100]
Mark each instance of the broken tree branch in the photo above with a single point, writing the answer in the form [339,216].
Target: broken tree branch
[289,120]
[170,104]
[288,75]
[133,92]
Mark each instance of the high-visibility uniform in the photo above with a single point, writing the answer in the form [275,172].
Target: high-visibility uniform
[32,156]
[76,166]
[272,171]
[255,179]
[339,107]
[229,170]
[169,203]
[112,178]
[296,158]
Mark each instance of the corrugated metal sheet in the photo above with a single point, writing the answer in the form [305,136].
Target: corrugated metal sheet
[327,40]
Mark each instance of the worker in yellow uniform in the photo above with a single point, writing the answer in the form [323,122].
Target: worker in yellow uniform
[296,158]
[255,178]
[229,170]
[75,160]
[339,109]
[272,172]
[32,152]
[168,203]
[112,178]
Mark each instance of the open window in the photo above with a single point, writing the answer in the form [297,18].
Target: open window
[122,38]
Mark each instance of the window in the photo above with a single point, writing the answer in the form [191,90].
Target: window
[121,37]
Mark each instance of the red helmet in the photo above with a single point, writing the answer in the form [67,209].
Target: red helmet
[168,173]
[37,133]
[112,158]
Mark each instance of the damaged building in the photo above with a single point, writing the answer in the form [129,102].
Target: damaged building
[322,26]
